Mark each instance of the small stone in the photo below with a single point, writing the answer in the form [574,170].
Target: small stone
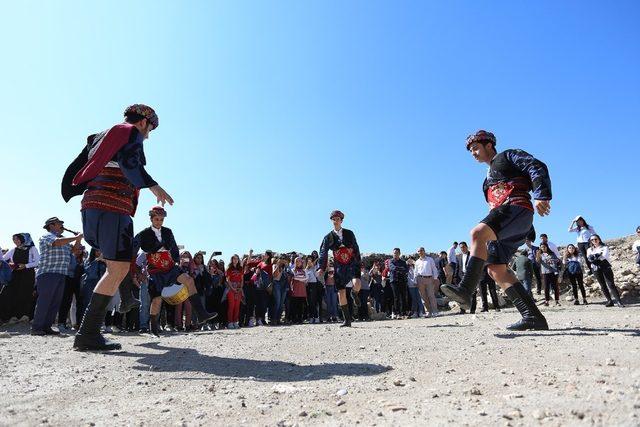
[5,334]
[413,379]
[397,408]
[380,414]
[341,392]
[538,414]
[475,391]
[611,362]
[482,413]
[398,383]
[340,402]
[303,414]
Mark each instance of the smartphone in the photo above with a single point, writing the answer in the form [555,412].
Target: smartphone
[216,253]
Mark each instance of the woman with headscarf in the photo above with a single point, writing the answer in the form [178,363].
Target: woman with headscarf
[17,297]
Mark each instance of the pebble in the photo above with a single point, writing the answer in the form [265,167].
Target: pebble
[340,402]
[398,383]
[475,391]
[5,335]
[303,414]
[397,408]
[611,362]
[341,392]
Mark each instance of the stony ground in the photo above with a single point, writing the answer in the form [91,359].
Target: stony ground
[459,370]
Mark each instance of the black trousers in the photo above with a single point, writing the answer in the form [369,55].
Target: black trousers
[484,285]
[247,310]
[538,275]
[582,247]
[296,305]
[577,281]
[551,279]
[71,287]
[314,299]
[400,297]
[363,310]
[262,302]
[607,284]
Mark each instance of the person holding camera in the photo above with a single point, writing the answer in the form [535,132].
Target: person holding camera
[573,268]
[598,256]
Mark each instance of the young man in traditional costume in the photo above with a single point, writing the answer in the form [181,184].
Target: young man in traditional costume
[512,174]
[162,264]
[346,262]
[110,172]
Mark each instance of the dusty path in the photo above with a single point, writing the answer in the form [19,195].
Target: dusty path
[463,370]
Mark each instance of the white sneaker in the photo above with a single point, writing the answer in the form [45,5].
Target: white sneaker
[252,322]
[236,325]
[259,322]
[316,320]
[230,325]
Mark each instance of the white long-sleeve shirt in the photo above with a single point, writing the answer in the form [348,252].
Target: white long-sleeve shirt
[584,234]
[34,257]
[602,250]
[452,255]
[426,267]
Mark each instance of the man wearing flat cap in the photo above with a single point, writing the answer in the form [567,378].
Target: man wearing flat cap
[51,273]
[109,173]
[346,262]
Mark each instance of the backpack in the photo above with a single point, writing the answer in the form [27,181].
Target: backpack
[574,267]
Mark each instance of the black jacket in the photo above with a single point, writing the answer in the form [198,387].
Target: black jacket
[148,242]
[332,242]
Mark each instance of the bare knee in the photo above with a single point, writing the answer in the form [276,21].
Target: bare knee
[118,269]
[480,233]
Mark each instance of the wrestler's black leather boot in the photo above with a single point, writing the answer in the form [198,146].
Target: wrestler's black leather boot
[155,324]
[347,316]
[201,312]
[88,337]
[531,316]
[462,292]
[127,301]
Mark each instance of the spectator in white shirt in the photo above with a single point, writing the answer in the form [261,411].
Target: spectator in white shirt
[451,258]
[585,231]
[598,255]
[426,274]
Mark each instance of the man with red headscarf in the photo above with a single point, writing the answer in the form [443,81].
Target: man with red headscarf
[109,173]
[511,176]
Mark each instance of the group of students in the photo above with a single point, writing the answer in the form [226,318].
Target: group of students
[271,289]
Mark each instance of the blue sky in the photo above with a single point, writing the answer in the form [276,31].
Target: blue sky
[274,113]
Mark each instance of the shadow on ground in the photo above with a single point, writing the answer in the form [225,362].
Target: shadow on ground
[184,360]
[574,332]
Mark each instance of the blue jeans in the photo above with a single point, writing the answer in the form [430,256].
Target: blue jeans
[331,298]
[416,302]
[279,295]
[527,285]
[50,288]
[145,305]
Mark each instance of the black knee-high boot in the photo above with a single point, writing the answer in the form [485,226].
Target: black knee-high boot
[461,293]
[202,314]
[127,300]
[346,314]
[88,336]
[531,316]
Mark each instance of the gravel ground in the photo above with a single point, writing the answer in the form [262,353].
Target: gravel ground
[455,369]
